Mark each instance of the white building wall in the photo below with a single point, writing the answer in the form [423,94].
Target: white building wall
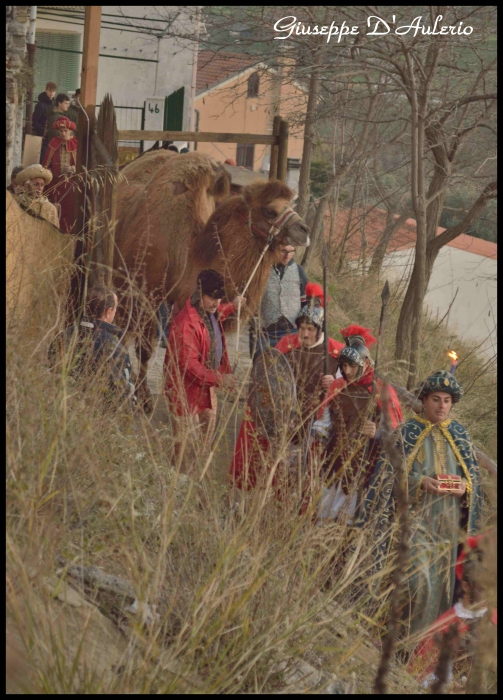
[473,312]
[131,82]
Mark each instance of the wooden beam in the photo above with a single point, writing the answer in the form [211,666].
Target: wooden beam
[88,83]
[197,136]
[90,58]
[283,150]
[273,165]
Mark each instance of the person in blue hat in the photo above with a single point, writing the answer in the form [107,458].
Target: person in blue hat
[434,447]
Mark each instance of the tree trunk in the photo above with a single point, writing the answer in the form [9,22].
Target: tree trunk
[342,246]
[317,230]
[380,251]
[409,323]
[392,226]
[309,128]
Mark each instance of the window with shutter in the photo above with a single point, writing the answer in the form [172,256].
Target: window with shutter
[245,155]
[53,63]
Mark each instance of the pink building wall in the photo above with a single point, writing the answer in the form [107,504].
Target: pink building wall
[227,109]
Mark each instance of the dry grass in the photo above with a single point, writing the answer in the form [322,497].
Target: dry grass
[241,594]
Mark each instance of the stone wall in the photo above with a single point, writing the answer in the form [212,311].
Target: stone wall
[15,88]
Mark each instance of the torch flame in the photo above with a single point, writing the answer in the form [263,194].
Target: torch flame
[453,355]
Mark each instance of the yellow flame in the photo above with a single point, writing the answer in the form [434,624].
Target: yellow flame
[453,355]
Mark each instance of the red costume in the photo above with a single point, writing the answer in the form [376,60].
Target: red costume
[59,156]
[250,445]
[189,381]
[426,655]
[393,407]
[425,658]
[347,403]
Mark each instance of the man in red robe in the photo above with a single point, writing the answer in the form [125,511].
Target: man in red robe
[60,159]
[304,351]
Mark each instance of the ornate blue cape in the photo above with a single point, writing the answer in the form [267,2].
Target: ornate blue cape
[435,521]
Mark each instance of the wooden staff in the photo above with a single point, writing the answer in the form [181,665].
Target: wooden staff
[385,298]
[324,261]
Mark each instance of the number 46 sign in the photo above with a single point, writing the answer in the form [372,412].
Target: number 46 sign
[154,114]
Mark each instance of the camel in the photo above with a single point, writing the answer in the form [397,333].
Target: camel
[163,202]
[173,210]
[162,199]
[235,236]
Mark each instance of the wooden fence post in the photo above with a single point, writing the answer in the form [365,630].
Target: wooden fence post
[283,150]
[88,83]
[273,166]
[90,58]
[106,128]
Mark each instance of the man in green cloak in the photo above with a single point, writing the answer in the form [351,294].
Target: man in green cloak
[434,447]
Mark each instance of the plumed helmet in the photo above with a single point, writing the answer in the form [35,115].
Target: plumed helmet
[358,334]
[314,294]
[470,550]
[358,339]
[310,314]
[354,355]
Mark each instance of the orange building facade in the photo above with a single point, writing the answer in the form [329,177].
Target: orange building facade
[246,101]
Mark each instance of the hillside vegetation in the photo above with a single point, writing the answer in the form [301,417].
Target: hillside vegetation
[192,590]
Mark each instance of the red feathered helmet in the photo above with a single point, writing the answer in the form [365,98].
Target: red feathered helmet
[471,545]
[315,295]
[358,340]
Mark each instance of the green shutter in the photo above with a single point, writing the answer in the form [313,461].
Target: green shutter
[173,111]
[61,68]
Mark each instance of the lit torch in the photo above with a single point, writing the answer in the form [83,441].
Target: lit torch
[454,357]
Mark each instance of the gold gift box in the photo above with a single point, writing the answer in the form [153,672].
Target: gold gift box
[449,482]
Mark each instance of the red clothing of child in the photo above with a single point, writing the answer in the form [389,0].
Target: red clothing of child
[425,659]
[60,156]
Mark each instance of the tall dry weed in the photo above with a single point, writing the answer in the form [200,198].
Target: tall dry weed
[236,596]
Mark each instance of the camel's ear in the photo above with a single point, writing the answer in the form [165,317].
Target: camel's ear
[247,194]
[179,188]
[264,192]
[275,189]
[222,185]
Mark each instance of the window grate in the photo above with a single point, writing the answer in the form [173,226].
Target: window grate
[245,155]
[62,68]
[253,85]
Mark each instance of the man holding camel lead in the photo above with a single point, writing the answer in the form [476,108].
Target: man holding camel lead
[196,360]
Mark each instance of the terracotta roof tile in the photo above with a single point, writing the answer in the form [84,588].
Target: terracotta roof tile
[212,67]
[478,246]
[404,238]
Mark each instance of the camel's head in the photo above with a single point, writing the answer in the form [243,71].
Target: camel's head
[201,175]
[272,214]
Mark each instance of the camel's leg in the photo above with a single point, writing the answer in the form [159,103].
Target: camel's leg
[144,349]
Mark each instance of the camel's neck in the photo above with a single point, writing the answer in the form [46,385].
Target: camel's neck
[228,246]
